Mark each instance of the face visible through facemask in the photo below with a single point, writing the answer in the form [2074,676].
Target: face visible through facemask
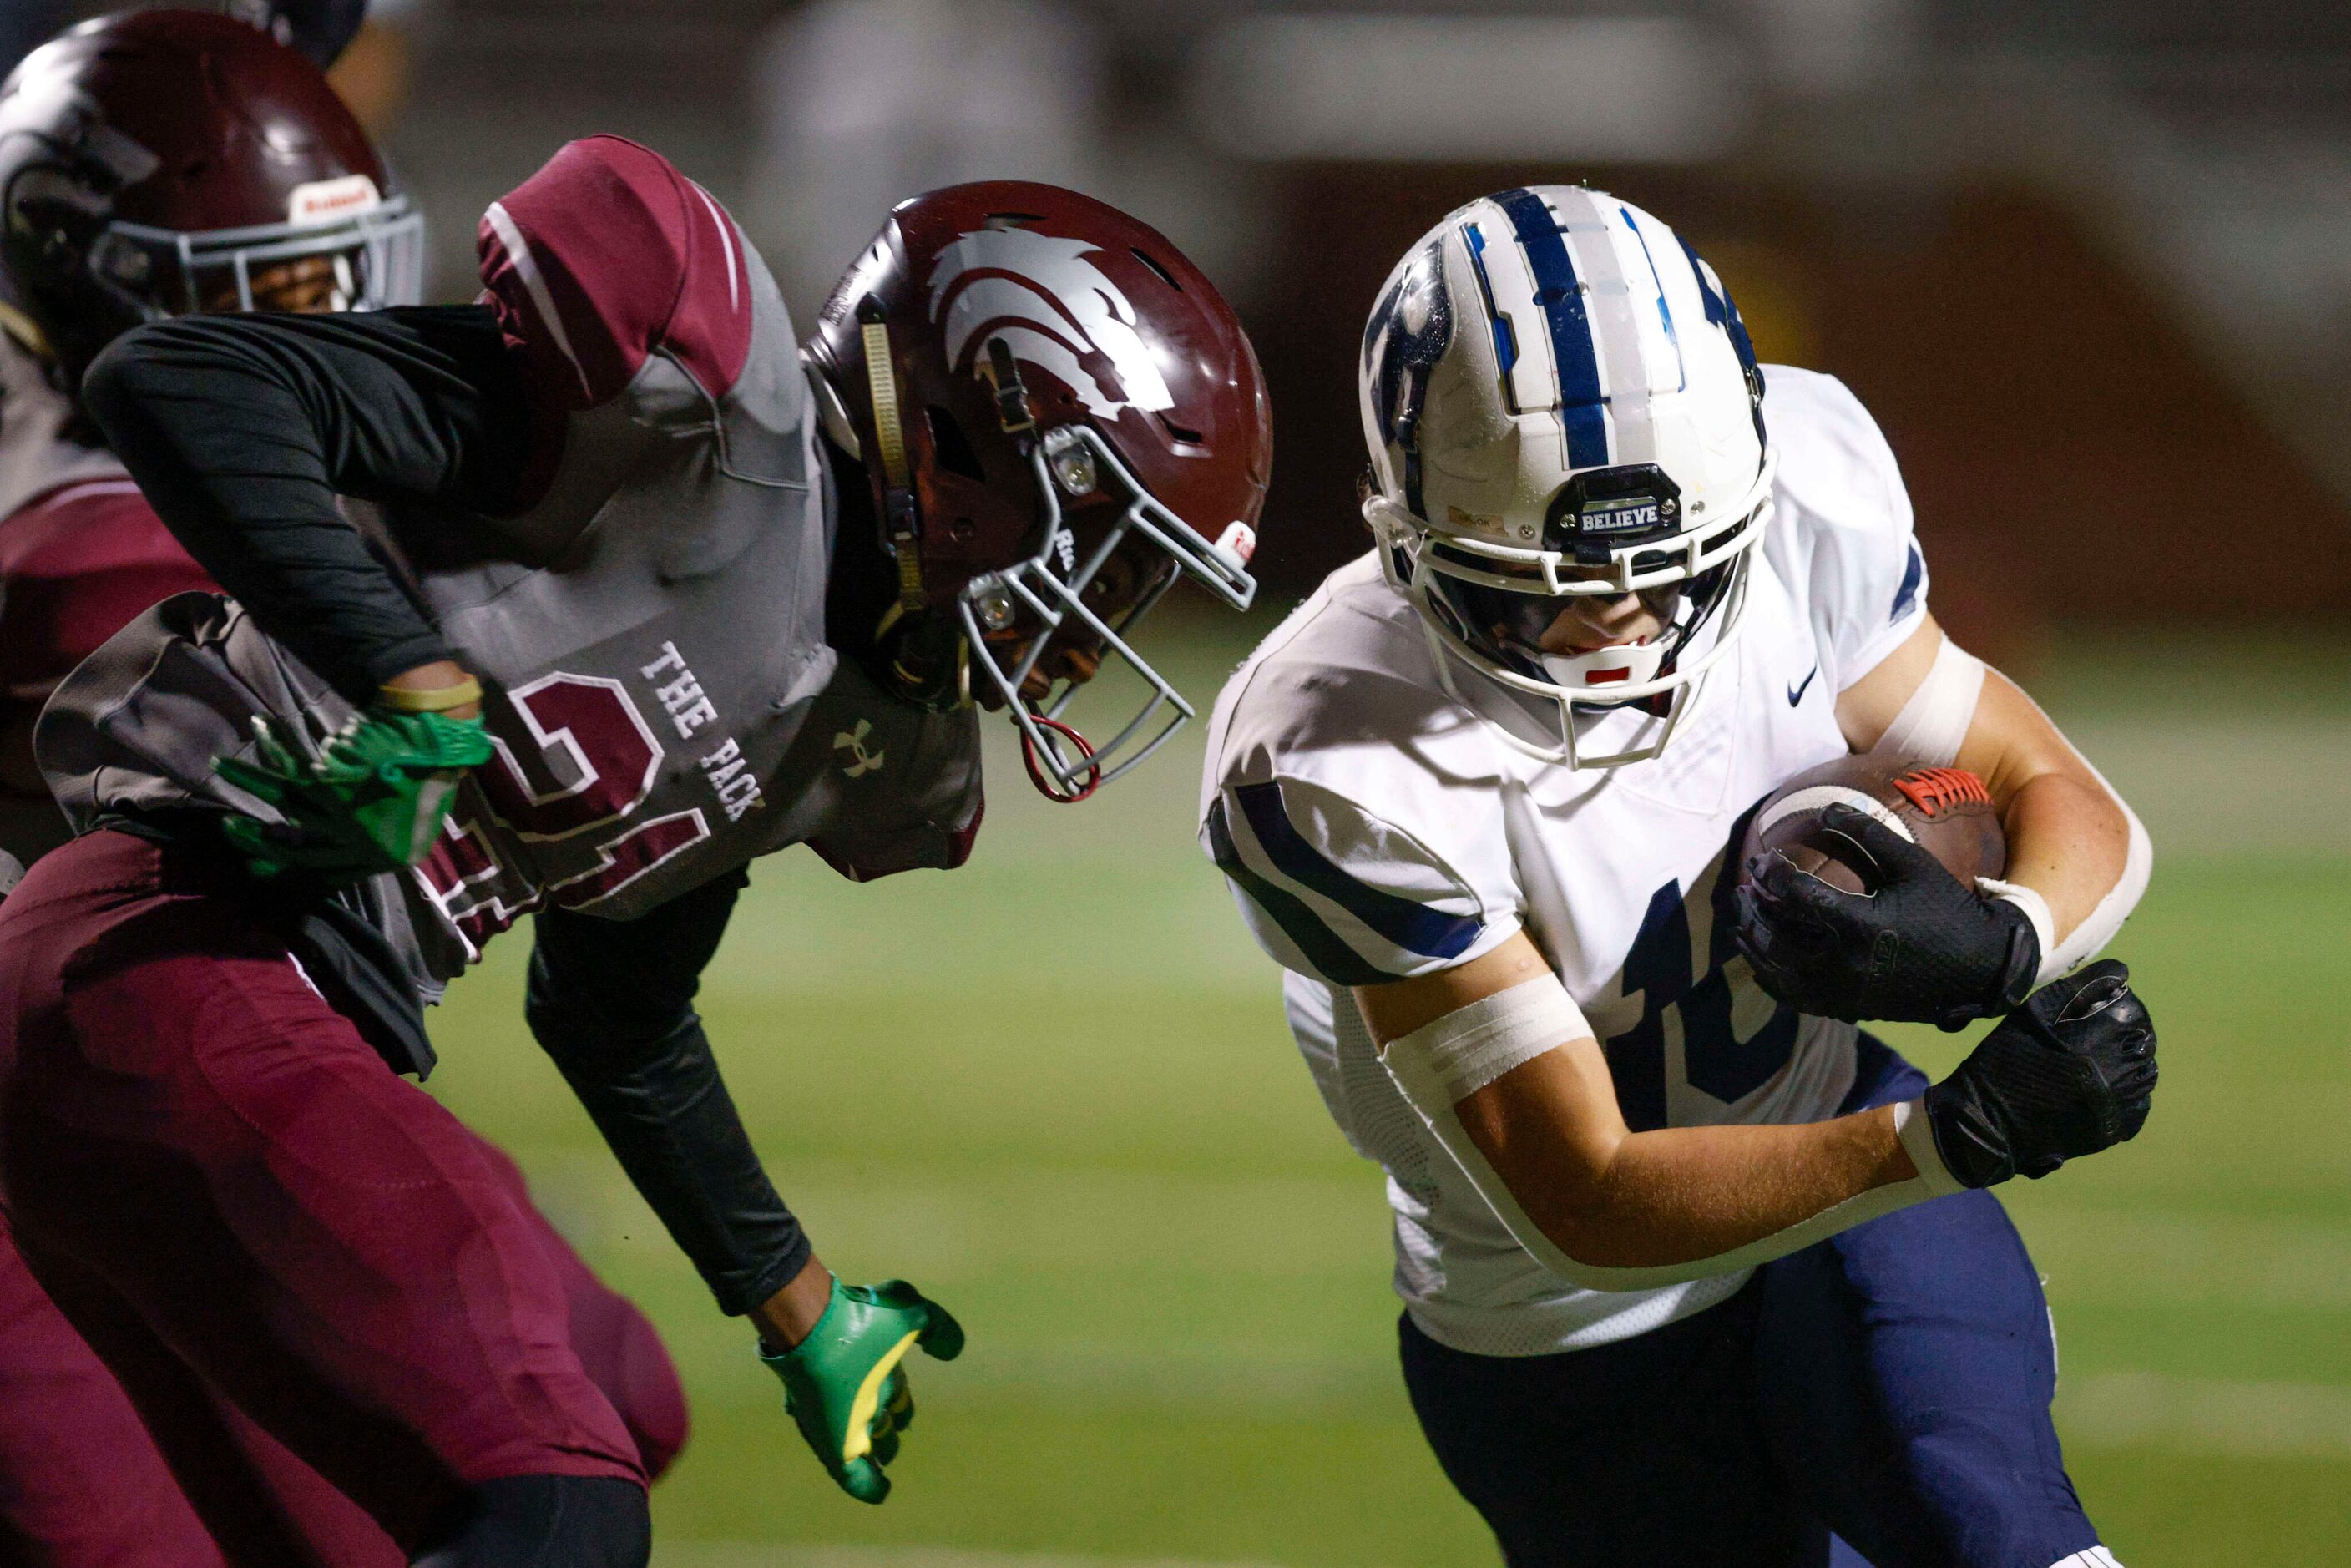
[1587,623]
[305,285]
[1585,642]
[1131,575]
[1569,624]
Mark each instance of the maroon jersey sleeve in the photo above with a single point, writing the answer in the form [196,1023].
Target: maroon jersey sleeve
[75,565]
[606,256]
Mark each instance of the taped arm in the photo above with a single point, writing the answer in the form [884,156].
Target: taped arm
[2079,858]
[1500,1063]
[612,1002]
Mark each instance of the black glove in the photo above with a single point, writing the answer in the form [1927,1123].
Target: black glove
[1922,949]
[2069,1072]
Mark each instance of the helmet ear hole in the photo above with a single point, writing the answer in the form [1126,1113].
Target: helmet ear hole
[950,446]
[55,214]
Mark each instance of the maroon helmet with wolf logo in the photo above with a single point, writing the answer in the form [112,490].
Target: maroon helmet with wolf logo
[1059,416]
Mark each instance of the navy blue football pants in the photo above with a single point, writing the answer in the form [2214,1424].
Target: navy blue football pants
[1881,1398]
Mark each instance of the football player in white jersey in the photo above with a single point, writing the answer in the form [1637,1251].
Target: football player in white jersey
[1695,1271]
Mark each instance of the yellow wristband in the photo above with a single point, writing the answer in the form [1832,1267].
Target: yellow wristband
[439,699]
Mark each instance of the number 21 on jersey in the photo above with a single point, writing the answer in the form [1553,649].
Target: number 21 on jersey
[596,761]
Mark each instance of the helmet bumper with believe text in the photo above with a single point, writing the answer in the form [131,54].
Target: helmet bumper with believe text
[1059,418]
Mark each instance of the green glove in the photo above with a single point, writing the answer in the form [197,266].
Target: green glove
[844,1386]
[373,801]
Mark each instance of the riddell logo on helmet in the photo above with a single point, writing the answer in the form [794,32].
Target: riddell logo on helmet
[1053,308]
[324,201]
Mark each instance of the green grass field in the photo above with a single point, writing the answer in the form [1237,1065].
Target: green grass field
[1054,1089]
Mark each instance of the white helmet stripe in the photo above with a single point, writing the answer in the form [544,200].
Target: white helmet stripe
[1521,340]
[1651,309]
[1624,372]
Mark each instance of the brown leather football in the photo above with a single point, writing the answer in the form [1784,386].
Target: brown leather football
[1945,810]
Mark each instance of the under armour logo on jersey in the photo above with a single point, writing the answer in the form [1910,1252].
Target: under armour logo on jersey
[1053,307]
[853,741]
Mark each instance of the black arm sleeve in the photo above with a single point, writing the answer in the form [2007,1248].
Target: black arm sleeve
[241,430]
[611,1001]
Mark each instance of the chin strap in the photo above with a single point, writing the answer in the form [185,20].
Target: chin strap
[26,331]
[1045,784]
[1003,373]
[899,518]
[934,675]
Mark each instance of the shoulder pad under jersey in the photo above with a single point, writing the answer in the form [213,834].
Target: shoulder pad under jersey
[606,256]
[1350,803]
[1843,540]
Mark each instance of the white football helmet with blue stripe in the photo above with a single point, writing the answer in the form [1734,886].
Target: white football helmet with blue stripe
[1561,400]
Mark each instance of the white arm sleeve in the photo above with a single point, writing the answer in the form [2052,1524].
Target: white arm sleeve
[1444,1062]
[1933,724]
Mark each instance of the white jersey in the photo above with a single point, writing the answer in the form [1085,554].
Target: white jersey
[1373,827]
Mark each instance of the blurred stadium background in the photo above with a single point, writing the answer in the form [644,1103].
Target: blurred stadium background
[2088,262]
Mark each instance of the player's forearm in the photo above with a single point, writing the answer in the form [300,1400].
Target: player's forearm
[1613,1199]
[2078,860]
[1687,1194]
[611,1003]
[219,437]
[665,1112]
[242,431]
[1515,1089]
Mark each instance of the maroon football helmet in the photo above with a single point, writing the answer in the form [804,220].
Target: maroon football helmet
[158,162]
[1058,417]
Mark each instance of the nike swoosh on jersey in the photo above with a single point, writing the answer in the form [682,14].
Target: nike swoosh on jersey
[1796,692]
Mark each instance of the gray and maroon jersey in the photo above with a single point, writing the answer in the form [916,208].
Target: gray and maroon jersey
[663,701]
[81,553]
[39,452]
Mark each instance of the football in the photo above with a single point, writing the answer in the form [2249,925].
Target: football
[1945,810]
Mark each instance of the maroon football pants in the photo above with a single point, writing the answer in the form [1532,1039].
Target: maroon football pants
[82,1485]
[227,1193]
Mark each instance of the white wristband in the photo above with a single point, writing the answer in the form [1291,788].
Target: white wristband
[1917,1137]
[2036,910]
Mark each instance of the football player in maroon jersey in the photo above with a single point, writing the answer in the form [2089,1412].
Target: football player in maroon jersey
[81,553]
[652,600]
